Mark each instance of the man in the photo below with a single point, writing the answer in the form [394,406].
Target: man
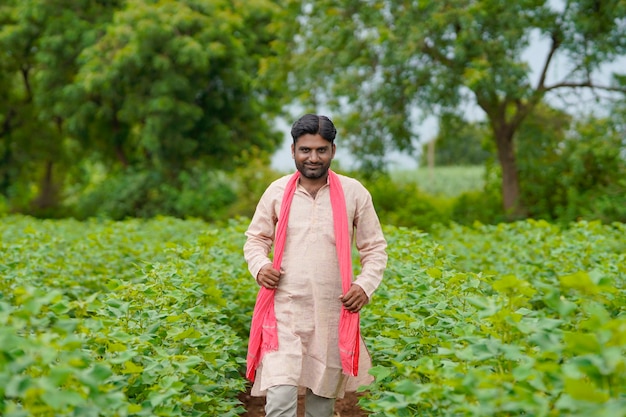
[308,304]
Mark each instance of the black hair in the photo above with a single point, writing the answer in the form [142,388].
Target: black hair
[314,124]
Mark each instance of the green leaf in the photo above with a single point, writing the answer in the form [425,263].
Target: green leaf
[381,372]
[61,399]
[584,390]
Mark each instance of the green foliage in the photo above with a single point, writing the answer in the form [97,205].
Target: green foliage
[151,85]
[514,319]
[382,66]
[212,195]
[461,194]
[249,181]
[118,319]
[171,82]
[478,206]
[481,205]
[151,318]
[540,161]
[458,142]
[194,193]
[403,204]
[41,41]
[574,175]
[593,173]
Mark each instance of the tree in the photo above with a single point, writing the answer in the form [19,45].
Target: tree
[173,82]
[158,85]
[380,61]
[40,41]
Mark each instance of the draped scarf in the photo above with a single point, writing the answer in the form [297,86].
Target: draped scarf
[263,330]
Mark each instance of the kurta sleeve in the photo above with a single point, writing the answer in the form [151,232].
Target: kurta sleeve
[371,244]
[260,233]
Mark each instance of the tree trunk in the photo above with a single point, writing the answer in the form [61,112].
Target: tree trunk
[6,157]
[510,180]
[121,156]
[48,192]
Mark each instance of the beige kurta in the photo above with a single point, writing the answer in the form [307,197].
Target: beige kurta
[307,301]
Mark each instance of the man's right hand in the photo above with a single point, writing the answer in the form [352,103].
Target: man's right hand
[268,277]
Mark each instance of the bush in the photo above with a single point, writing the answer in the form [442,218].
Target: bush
[404,204]
[195,193]
[249,182]
[478,206]
[577,176]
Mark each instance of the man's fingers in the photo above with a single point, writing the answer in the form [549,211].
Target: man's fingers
[271,282]
[269,277]
[353,304]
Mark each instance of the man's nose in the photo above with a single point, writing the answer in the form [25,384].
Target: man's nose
[314,156]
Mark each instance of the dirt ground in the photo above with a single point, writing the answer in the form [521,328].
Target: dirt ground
[345,407]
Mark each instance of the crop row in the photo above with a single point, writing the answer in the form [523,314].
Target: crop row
[516,319]
[150,317]
[117,319]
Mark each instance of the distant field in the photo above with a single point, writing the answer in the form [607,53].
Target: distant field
[448,181]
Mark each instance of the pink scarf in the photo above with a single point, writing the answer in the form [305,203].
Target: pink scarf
[263,331]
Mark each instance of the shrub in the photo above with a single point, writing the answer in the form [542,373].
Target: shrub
[477,206]
[194,193]
[404,204]
[576,176]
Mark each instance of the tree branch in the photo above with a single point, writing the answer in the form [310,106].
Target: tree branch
[522,110]
[585,84]
[436,55]
[556,42]
[24,70]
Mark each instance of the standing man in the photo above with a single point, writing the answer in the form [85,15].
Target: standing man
[305,334]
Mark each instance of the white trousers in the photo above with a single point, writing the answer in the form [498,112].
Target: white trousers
[282,401]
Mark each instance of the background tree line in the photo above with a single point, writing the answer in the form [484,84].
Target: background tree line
[148,94]
[142,107]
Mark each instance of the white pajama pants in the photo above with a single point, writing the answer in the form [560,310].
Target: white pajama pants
[282,401]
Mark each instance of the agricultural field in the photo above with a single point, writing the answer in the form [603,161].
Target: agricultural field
[150,318]
[444,181]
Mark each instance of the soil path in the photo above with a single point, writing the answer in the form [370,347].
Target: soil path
[345,407]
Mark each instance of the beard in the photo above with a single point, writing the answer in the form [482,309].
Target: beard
[313,172]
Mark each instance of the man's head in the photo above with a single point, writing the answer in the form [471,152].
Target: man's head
[313,145]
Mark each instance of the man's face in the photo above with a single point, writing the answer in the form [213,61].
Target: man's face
[313,155]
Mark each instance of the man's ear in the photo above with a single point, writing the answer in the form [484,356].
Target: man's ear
[293,152]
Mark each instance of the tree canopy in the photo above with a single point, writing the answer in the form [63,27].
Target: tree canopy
[379,64]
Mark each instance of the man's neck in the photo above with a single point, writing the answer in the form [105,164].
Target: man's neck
[312,185]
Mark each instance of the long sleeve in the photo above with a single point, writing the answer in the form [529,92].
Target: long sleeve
[260,233]
[370,243]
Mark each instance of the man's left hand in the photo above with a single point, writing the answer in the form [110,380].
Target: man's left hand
[354,299]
